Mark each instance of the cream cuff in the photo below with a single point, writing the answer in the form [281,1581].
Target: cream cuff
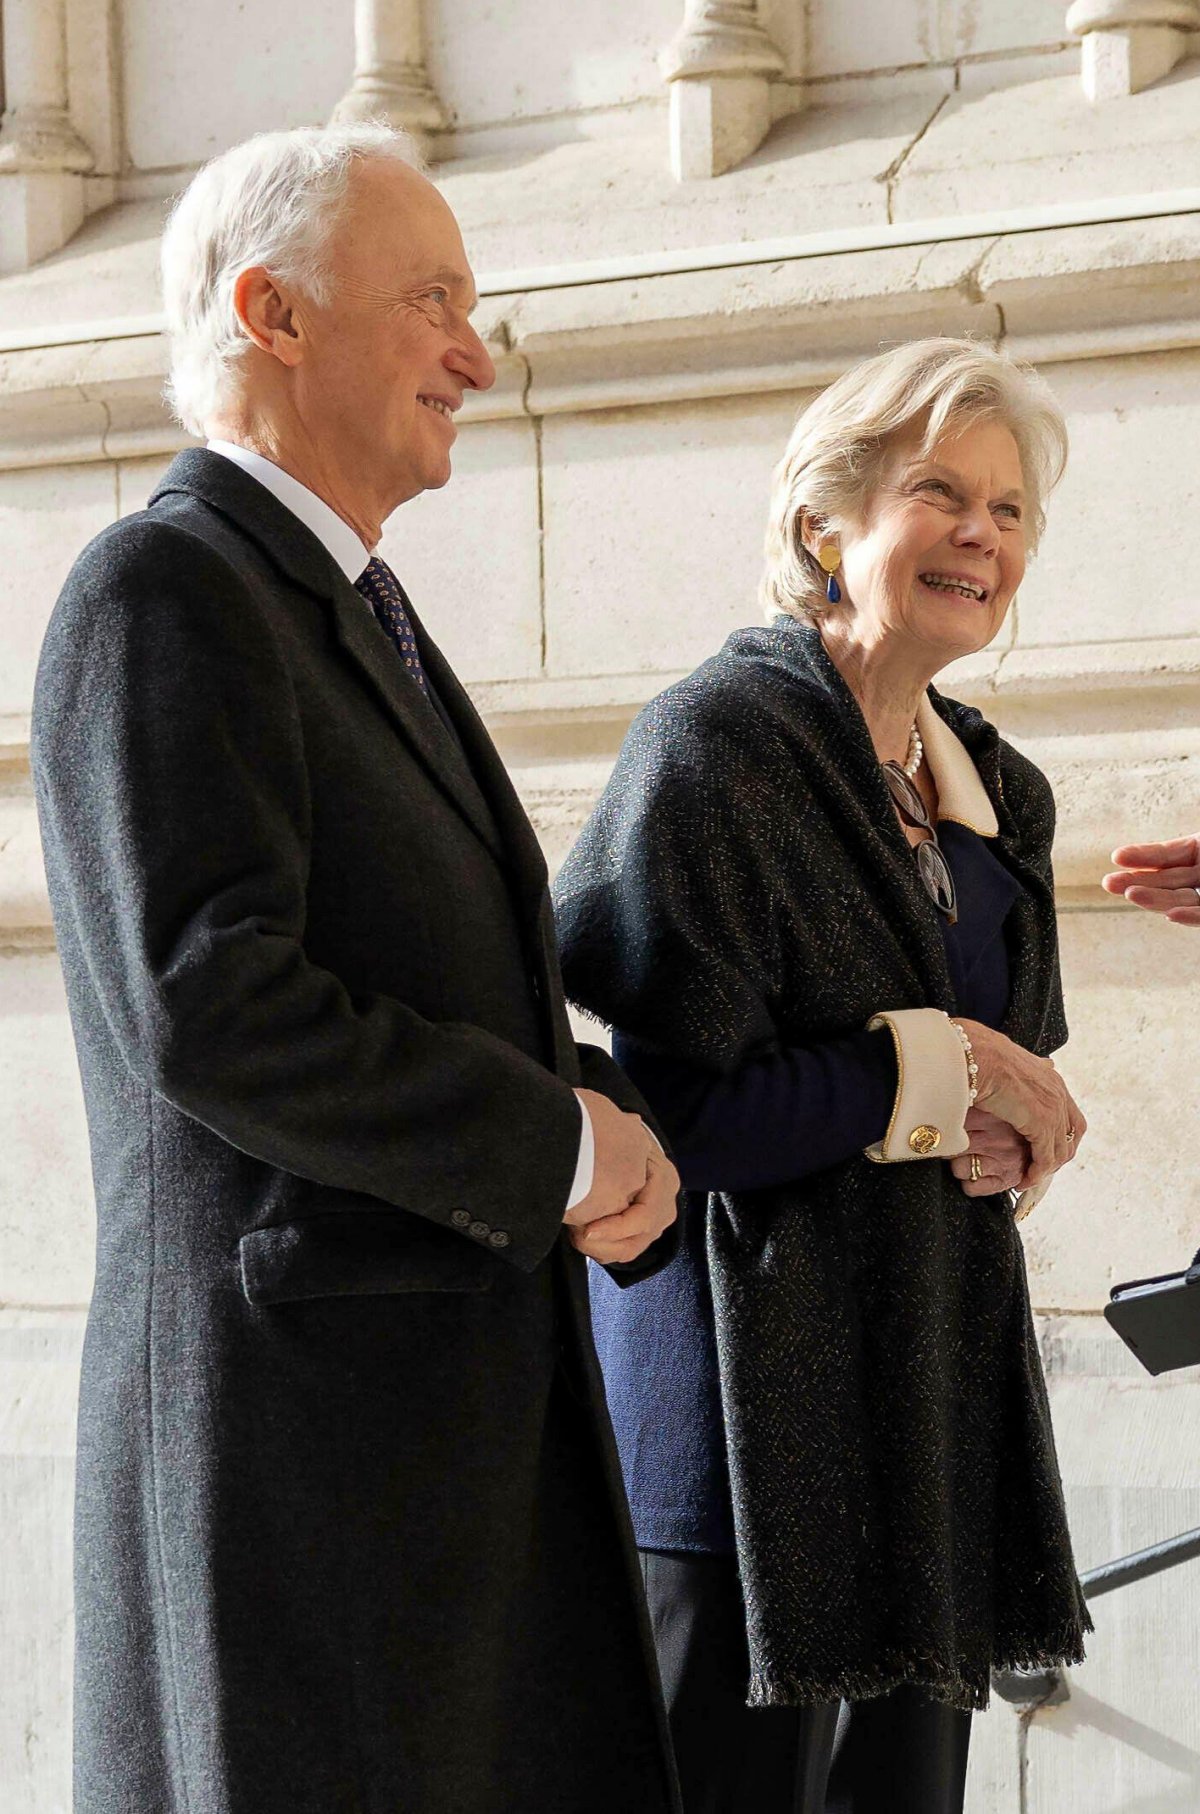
[933,1093]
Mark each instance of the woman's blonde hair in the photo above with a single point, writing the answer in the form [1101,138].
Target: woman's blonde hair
[842,440]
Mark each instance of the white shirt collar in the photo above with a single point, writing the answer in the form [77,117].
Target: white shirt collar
[336,536]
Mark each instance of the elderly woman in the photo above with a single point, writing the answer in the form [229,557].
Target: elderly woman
[815,904]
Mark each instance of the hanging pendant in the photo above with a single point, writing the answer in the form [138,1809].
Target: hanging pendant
[829,559]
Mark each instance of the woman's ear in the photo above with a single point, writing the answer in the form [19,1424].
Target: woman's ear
[808,531]
[816,533]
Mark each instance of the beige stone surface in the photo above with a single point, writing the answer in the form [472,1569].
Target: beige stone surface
[691,482]
[590,199]
[46,518]
[1126,1740]
[1129,1206]
[24,909]
[39,1365]
[1122,547]
[136,480]
[46,1203]
[491,64]
[110,268]
[1024,143]
[906,32]
[475,576]
[199,79]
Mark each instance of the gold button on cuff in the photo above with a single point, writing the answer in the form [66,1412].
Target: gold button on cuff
[925,1140]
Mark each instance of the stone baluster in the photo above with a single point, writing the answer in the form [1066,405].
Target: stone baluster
[390,80]
[42,157]
[720,69]
[1130,44]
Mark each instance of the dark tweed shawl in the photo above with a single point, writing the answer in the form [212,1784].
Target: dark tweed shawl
[742,881]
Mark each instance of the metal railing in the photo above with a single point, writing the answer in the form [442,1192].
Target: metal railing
[1048,1687]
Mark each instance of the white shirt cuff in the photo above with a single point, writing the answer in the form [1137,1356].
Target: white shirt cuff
[933,1091]
[585,1165]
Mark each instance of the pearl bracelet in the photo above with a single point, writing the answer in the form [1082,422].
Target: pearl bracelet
[972,1067]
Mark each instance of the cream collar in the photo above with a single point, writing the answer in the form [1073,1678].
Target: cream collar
[961,794]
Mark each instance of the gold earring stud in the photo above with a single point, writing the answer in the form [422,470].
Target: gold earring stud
[829,559]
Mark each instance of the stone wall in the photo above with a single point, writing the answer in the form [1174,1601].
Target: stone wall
[602,534]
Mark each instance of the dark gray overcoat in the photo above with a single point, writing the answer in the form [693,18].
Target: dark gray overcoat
[350,1532]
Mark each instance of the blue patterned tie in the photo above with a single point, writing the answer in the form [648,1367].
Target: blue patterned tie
[381,589]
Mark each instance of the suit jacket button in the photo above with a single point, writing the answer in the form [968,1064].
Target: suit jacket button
[498,1238]
[480,1230]
[460,1218]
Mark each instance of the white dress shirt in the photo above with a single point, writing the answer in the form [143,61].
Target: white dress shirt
[352,554]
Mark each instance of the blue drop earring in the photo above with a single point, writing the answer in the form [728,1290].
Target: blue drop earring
[829,559]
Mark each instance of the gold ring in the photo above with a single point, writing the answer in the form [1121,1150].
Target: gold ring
[976,1169]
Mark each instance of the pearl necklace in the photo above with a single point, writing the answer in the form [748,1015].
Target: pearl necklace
[916,750]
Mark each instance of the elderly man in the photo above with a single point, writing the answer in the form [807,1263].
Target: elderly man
[350,1534]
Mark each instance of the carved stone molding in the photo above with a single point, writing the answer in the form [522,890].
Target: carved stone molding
[1130,44]
[390,79]
[720,68]
[42,157]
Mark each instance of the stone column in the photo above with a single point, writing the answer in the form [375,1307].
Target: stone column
[1130,44]
[42,157]
[720,69]
[390,82]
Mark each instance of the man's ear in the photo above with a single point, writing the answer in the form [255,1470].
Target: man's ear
[268,316]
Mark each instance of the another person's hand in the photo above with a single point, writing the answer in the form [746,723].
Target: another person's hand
[1028,1093]
[1162,878]
[1002,1156]
[615,1240]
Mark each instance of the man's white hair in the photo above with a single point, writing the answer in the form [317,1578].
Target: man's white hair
[272,201]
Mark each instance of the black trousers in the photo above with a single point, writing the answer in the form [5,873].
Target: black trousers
[901,1753]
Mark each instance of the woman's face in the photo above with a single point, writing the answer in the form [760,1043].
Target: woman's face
[941,552]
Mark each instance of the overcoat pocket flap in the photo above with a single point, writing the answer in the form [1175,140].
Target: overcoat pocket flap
[358,1253]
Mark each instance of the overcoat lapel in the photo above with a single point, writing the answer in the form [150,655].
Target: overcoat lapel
[523,858]
[481,761]
[308,563]
[418,722]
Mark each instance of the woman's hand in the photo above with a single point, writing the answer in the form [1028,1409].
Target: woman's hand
[1002,1156]
[1028,1093]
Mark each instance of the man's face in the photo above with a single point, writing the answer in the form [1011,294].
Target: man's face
[389,358]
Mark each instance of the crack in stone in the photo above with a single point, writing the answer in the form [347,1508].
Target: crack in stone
[970,284]
[105,431]
[536,420]
[889,176]
[1056,1692]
